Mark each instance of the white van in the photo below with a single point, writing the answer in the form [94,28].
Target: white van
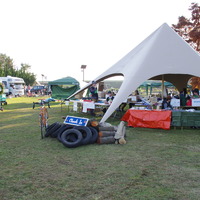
[13,85]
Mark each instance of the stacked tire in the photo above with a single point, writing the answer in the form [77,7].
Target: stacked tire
[51,130]
[72,136]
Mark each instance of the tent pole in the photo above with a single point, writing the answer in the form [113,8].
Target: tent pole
[162,86]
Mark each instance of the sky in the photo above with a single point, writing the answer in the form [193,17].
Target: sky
[56,37]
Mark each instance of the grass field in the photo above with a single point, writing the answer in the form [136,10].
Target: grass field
[154,164]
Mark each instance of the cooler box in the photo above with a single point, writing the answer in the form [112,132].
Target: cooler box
[3,97]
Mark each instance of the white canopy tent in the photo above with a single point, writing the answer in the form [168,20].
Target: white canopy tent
[163,55]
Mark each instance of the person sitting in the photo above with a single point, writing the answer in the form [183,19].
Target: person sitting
[195,93]
[138,99]
[166,103]
[109,99]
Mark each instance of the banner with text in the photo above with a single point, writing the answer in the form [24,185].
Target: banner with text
[196,102]
[76,121]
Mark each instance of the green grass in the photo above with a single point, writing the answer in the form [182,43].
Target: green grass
[154,164]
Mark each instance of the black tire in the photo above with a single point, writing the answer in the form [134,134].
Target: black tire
[51,126]
[71,138]
[63,128]
[51,130]
[86,132]
[54,130]
[94,135]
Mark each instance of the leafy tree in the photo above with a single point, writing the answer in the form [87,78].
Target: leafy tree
[189,30]
[195,82]
[7,68]
[6,65]
[24,72]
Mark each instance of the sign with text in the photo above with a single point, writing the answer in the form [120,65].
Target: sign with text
[88,105]
[196,102]
[175,102]
[133,98]
[76,121]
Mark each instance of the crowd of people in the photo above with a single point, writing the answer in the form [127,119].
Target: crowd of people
[109,97]
[36,90]
[184,96]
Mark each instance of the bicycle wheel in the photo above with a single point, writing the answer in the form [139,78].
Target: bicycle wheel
[43,122]
[42,128]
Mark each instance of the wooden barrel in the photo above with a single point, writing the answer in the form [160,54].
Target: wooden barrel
[94,124]
[106,133]
[106,140]
[107,128]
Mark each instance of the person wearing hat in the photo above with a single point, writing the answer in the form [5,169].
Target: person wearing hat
[93,91]
[110,97]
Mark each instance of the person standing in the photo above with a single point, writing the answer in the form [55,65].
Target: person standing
[93,93]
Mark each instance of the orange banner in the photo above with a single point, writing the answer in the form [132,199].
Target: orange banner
[148,118]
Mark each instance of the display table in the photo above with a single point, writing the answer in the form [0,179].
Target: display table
[148,118]
[83,106]
[183,118]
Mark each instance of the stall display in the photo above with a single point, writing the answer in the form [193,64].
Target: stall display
[148,118]
[183,118]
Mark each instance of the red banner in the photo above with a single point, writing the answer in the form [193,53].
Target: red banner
[148,118]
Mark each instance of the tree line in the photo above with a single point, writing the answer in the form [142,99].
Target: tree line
[7,68]
[189,30]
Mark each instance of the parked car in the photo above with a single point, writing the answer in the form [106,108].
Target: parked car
[38,89]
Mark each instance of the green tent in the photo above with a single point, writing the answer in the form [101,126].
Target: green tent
[64,87]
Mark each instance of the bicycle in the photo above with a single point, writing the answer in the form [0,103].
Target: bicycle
[43,119]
